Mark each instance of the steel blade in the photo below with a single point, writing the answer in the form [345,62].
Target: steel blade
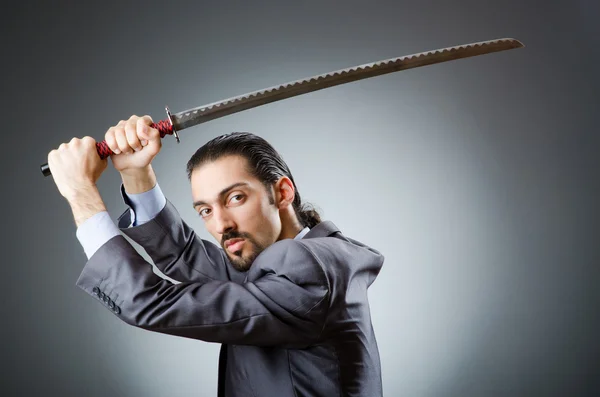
[202,114]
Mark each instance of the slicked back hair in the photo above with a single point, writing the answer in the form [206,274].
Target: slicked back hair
[264,163]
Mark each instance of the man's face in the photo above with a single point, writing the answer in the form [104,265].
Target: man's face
[236,209]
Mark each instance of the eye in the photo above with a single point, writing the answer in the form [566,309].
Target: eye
[204,212]
[236,199]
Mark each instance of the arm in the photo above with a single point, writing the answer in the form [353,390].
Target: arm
[153,222]
[284,303]
[172,245]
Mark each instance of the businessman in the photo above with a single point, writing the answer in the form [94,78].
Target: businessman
[284,292]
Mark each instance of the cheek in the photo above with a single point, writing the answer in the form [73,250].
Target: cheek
[261,220]
[271,221]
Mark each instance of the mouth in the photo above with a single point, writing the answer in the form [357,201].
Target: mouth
[234,244]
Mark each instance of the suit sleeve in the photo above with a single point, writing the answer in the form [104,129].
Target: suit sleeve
[285,304]
[174,246]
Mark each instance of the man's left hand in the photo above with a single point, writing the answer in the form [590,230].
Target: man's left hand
[76,166]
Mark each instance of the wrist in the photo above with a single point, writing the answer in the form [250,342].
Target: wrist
[138,180]
[85,203]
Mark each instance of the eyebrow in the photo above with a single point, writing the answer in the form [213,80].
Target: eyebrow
[221,193]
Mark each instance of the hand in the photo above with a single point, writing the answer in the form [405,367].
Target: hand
[134,143]
[76,166]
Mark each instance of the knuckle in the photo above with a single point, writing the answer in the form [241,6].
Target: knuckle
[132,134]
[112,144]
[142,127]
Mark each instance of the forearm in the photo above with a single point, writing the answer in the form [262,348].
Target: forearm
[86,203]
[268,310]
[138,181]
[175,248]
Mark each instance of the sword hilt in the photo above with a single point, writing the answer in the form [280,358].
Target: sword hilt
[165,127]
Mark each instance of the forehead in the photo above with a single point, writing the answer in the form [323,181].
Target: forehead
[211,178]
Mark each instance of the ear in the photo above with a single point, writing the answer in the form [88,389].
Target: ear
[284,192]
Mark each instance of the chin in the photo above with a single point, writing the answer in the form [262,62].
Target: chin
[240,261]
[240,264]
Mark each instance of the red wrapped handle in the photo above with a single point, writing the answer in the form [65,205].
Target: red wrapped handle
[165,127]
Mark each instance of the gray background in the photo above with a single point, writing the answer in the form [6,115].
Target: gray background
[478,180]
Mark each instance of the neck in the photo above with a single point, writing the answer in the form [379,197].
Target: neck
[290,225]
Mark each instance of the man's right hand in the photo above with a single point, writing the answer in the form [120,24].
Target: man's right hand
[134,144]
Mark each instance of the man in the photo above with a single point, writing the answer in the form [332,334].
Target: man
[285,293]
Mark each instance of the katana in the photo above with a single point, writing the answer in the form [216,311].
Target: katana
[191,117]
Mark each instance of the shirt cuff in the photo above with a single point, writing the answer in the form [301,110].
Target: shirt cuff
[95,232]
[144,206]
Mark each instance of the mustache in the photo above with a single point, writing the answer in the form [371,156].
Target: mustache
[234,234]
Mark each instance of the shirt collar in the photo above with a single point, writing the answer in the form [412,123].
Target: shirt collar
[302,233]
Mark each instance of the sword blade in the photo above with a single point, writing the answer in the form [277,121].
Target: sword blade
[204,113]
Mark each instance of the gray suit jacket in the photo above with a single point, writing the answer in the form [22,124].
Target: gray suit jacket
[297,323]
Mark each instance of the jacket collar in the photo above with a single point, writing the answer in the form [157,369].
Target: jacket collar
[323,229]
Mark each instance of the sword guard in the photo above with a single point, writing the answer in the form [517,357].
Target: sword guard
[170,117]
[166,127]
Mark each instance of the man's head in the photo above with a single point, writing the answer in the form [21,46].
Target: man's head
[246,195]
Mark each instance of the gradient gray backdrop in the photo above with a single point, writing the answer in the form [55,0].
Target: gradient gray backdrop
[478,180]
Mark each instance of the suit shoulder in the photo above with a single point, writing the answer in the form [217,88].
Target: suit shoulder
[291,258]
[340,246]
[342,258]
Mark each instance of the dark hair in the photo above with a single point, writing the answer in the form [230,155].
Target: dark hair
[264,163]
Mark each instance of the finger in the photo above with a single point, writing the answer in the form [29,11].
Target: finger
[51,156]
[122,140]
[121,123]
[153,134]
[132,120]
[88,141]
[143,130]
[147,119]
[132,135]
[110,140]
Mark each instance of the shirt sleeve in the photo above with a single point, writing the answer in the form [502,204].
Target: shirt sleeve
[95,232]
[144,206]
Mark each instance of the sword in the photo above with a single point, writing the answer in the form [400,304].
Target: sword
[191,117]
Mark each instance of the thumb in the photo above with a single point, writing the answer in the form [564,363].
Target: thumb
[151,136]
[147,134]
[151,141]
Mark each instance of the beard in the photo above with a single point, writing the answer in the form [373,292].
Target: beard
[239,261]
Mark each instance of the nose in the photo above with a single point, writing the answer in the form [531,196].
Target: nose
[223,222]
